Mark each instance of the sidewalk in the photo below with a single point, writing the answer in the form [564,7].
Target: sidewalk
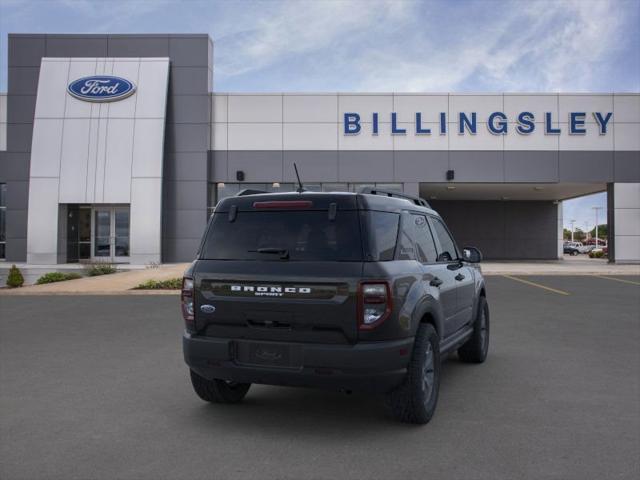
[113,284]
[581,265]
[124,282]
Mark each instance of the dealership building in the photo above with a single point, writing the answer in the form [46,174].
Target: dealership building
[117,148]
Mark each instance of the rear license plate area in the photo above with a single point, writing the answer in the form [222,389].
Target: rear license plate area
[269,354]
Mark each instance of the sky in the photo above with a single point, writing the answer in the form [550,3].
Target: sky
[378,45]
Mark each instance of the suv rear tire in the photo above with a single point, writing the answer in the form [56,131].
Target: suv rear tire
[476,348]
[415,400]
[218,391]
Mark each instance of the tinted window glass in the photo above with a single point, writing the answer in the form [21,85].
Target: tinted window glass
[425,246]
[304,235]
[406,249]
[383,232]
[447,245]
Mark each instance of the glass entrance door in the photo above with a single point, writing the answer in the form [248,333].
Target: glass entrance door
[111,234]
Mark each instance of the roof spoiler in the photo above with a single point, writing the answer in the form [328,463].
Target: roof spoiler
[249,191]
[390,193]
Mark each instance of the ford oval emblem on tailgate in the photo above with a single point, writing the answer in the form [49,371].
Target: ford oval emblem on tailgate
[207,308]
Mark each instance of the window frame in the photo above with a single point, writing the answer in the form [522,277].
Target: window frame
[433,238]
[432,219]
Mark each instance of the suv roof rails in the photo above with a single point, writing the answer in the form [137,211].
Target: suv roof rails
[390,193]
[249,191]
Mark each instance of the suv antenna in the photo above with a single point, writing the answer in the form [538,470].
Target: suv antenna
[300,187]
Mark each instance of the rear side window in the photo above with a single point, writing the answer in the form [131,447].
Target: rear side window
[448,249]
[382,228]
[425,246]
[303,235]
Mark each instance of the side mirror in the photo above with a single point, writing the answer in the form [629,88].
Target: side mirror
[471,255]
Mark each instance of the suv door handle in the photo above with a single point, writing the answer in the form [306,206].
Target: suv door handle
[459,277]
[436,282]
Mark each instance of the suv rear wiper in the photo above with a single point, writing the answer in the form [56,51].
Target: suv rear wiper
[283,252]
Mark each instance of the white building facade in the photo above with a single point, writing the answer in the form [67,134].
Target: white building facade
[134,177]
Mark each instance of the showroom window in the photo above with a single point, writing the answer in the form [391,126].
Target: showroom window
[219,191]
[3,224]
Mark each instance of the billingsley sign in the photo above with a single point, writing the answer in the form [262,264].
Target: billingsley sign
[497,123]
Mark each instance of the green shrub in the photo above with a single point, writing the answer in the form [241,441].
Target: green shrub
[100,269]
[596,254]
[15,278]
[170,284]
[52,277]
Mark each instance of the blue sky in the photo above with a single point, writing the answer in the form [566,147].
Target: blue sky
[371,45]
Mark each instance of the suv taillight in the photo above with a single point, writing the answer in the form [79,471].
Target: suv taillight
[186,299]
[374,304]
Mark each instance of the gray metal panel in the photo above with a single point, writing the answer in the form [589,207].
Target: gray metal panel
[365,166]
[626,166]
[531,230]
[180,249]
[611,223]
[314,166]
[185,195]
[16,250]
[188,109]
[428,165]
[477,166]
[26,50]
[15,166]
[586,166]
[258,165]
[23,80]
[16,223]
[138,46]
[17,195]
[185,166]
[187,137]
[185,223]
[76,46]
[509,230]
[530,166]
[188,80]
[218,164]
[189,52]
[19,137]
[22,108]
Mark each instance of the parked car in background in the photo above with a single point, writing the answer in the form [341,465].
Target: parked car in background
[572,248]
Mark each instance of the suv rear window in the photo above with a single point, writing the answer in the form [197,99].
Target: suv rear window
[303,235]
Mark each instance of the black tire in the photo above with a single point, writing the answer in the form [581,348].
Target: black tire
[574,253]
[218,391]
[415,400]
[476,348]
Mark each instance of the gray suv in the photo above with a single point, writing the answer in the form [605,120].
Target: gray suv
[349,291]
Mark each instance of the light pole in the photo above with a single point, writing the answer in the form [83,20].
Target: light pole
[572,228]
[596,209]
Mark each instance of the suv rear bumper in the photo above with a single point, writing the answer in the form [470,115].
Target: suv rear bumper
[367,366]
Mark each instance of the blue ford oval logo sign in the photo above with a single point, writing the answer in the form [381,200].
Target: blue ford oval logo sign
[101,88]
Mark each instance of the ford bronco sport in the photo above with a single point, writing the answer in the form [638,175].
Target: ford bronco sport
[349,291]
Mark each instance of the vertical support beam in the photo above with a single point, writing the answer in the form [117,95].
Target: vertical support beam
[560,236]
[626,222]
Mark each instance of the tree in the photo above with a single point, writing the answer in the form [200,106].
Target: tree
[603,231]
[15,278]
[578,235]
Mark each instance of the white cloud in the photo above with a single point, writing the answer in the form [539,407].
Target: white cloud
[533,46]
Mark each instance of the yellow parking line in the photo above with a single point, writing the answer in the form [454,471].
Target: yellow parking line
[618,279]
[534,284]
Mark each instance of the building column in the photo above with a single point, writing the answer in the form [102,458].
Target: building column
[560,236]
[624,222]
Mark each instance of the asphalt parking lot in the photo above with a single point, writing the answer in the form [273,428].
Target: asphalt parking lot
[95,388]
